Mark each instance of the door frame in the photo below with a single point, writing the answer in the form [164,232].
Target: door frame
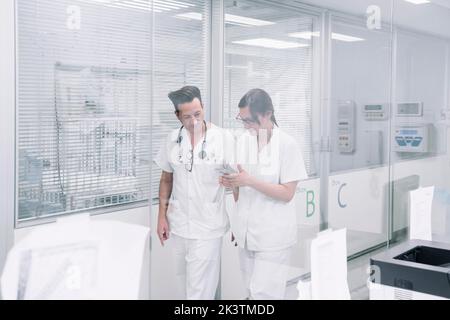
[7,127]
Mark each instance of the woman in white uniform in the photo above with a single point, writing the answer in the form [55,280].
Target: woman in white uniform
[270,166]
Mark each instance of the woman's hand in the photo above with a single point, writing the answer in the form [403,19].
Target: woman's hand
[283,192]
[236,180]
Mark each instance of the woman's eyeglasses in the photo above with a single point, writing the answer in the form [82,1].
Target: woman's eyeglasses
[245,120]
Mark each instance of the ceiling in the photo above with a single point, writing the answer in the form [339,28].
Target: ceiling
[433,17]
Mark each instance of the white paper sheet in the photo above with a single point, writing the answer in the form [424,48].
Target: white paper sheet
[329,266]
[76,258]
[421,202]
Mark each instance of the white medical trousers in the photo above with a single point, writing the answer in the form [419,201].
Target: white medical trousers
[265,273]
[198,266]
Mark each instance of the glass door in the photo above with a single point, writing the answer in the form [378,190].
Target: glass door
[420,149]
[358,120]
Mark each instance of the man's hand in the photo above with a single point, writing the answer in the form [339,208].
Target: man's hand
[163,229]
[225,182]
[227,185]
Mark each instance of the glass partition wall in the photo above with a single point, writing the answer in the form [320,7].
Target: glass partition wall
[359,107]
[420,119]
[329,73]
[365,87]
[83,90]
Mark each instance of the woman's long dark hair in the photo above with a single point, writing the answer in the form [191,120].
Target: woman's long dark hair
[259,102]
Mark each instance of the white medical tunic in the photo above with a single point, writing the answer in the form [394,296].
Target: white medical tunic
[195,211]
[263,223]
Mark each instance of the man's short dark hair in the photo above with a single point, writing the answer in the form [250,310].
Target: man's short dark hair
[185,95]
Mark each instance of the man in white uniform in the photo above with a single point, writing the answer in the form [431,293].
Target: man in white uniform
[192,208]
[266,226]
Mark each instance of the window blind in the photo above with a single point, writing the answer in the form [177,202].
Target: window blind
[271,48]
[83,107]
[181,57]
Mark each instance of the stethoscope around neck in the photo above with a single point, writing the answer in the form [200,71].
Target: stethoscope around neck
[202,154]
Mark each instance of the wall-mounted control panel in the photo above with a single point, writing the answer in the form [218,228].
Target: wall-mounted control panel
[375,112]
[346,126]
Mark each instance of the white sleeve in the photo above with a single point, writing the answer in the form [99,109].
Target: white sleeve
[162,158]
[292,165]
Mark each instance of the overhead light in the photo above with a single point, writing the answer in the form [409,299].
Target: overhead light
[229,18]
[102,1]
[144,5]
[190,16]
[271,43]
[178,4]
[418,1]
[98,1]
[147,5]
[344,37]
[307,35]
[131,5]
[236,67]
[247,21]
